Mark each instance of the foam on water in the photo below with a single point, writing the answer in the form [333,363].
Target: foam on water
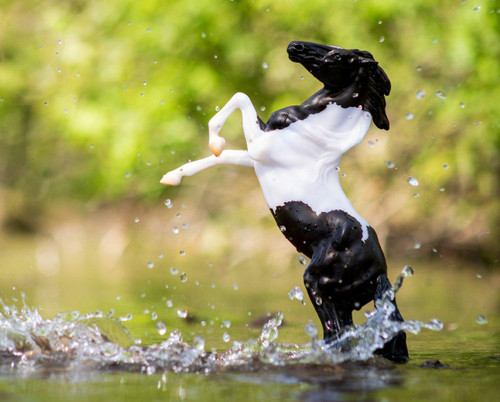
[29,343]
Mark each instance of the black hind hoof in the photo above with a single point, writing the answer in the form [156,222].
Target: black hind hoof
[395,349]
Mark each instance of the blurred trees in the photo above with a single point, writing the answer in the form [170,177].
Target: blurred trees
[99,98]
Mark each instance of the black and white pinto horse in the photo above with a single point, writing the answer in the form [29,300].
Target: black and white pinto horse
[296,155]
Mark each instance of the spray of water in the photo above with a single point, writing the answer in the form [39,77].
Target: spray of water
[29,342]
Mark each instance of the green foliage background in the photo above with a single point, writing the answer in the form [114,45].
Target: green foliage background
[100,98]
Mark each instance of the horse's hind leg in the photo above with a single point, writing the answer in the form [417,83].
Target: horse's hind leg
[395,349]
[334,315]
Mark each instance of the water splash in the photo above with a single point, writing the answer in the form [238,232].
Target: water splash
[30,343]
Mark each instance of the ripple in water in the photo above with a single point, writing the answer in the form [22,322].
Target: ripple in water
[30,343]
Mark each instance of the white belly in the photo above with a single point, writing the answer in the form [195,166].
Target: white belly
[323,195]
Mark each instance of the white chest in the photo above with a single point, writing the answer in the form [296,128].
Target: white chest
[299,162]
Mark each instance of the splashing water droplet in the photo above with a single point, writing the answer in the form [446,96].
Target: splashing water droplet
[175,229]
[412,180]
[283,228]
[262,108]
[479,276]
[226,337]
[302,260]
[416,195]
[226,323]
[235,287]
[203,35]
[420,94]
[169,303]
[442,189]
[199,343]
[296,293]
[417,245]
[434,325]
[481,320]
[441,95]
[154,316]
[168,203]
[174,270]
[182,252]
[382,38]
[476,9]
[265,65]
[151,264]
[409,116]
[371,144]
[389,164]
[318,300]
[462,105]
[217,108]
[407,271]
[355,95]
[161,328]
[136,220]
[445,166]
[311,330]
[183,277]
[128,317]
[182,313]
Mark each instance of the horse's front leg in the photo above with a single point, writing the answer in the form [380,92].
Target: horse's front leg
[229,157]
[250,122]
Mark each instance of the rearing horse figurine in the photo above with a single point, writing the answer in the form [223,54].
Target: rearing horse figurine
[296,155]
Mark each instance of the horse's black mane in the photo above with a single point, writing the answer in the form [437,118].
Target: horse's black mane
[376,86]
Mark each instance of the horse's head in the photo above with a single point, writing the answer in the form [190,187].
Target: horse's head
[352,75]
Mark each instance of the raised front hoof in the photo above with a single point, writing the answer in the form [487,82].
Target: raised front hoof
[395,349]
[171,179]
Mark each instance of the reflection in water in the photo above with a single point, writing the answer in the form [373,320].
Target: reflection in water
[30,344]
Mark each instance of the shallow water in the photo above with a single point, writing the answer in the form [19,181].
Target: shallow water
[126,354]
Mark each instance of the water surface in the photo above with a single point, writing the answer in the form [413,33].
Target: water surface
[198,331]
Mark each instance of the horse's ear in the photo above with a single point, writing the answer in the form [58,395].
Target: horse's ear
[363,54]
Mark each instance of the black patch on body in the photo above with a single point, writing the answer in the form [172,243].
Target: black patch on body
[342,263]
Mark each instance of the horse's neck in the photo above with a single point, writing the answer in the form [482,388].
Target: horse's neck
[351,96]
